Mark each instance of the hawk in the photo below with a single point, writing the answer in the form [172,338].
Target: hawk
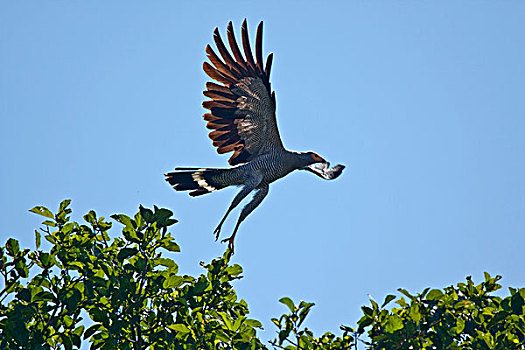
[242,117]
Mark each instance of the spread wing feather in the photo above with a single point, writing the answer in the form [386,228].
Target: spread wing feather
[242,109]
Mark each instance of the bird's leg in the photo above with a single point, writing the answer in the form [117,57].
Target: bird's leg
[238,198]
[256,200]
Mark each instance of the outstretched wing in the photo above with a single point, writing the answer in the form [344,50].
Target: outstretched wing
[243,106]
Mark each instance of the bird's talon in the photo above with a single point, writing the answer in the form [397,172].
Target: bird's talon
[231,246]
[217,233]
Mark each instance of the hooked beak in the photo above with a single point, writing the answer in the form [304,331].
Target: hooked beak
[318,166]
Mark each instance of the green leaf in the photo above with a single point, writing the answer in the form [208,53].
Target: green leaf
[91,330]
[126,252]
[414,313]
[38,239]
[460,325]
[12,247]
[406,293]
[288,302]
[46,260]
[24,294]
[401,301]
[123,219]
[393,323]
[98,315]
[346,328]
[305,309]
[179,328]
[173,281]
[68,228]
[434,294]
[388,299]
[367,311]
[42,211]
[75,265]
[234,270]
[253,323]
[91,217]
[21,267]
[516,303]
[66,341]
[146,214]
[51,239]
[276,322]
[68,321]
[222,336]
[283,334]
[227,320]
[200,286]
[64,204]
[44,296]
[162,217]
[79,330]
[50,223]
[165,262]
[171,246]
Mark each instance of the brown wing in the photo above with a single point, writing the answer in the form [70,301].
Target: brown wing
[243,106]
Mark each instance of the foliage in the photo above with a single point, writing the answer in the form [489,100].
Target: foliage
[134,296]
[289,331]
[467,316]
[123,293]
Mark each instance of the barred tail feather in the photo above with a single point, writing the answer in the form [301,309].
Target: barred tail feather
[197,180]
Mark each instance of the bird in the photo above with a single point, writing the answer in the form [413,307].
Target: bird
[242,117]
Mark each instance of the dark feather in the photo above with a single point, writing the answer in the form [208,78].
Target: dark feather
[182,181]
[240,156]
[227,148]
[258,47]
[230,67]
[199,192]
[220,124]
[220,96]
[219,104]
[222,135]
[226,127]
[268,67]
[224,112]
[224,51]
[234,141]
[235,48]
[219,65]
[216,87]
[211,118]
[246,47]
[215,134]
[215,74]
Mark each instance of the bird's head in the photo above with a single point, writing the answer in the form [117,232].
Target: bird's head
[304,159]
[316,158]
[309,158]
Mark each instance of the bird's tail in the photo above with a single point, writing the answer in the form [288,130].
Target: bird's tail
[197,180]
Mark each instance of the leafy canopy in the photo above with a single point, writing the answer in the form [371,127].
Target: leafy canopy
[123,293]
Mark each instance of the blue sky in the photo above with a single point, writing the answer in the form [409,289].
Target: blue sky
[423,101]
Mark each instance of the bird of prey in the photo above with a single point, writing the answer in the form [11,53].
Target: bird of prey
[242,117]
